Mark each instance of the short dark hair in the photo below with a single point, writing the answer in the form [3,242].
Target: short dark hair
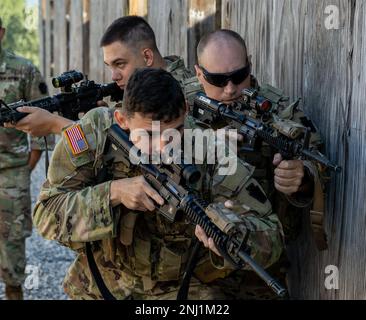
[132,30]
[154,92]
[220,34]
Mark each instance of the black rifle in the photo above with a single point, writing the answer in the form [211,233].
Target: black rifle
[172,182]
[254,118]
[73,99]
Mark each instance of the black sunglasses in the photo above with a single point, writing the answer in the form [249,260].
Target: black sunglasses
[222,79]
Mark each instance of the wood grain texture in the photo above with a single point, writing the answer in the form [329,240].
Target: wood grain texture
[97,27]
[42,34]
[48,43]
[204,17]
[113,9]
[76,35]
[138,7]
[60,32]
[169,21]
[293,50]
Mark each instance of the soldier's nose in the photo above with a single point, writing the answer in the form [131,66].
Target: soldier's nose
[230,89]
[116,75]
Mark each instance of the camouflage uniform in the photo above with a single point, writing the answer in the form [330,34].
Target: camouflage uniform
[19,79]
[288,208]
[73,209]
[152,266]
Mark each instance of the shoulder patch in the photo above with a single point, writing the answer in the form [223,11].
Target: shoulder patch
[76,139]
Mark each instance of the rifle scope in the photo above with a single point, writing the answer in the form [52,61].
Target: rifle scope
[67,78]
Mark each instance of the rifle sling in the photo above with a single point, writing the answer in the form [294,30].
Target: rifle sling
[106,294]
[191,265]
[317,218]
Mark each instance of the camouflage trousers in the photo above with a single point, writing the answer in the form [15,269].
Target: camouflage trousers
[15,222]
[243,285]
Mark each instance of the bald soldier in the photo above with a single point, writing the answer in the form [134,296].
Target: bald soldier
[138,253]
[222,72]
[19,79]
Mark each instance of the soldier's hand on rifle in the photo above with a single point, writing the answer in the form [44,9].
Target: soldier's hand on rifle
[202,236]
[288,174]
[135,194]
[39,122]
[207,242]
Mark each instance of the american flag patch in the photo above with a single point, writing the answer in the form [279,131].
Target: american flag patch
[76,139]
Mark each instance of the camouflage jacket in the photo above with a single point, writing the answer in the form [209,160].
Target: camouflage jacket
[288,208]
[19,79]
[73,209]
[176,66]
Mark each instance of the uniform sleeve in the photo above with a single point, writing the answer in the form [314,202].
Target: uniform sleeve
[251,204]
[36,88]
[71,208]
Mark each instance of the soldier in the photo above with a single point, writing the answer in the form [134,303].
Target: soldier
[222,72]
[19,79]
[128,43]
[138,253]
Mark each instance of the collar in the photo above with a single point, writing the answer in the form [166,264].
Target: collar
[173,63]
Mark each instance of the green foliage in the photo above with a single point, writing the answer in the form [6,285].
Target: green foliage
[21,26]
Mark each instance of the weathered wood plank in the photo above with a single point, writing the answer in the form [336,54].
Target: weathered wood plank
[86,35]
[48,45]
[253,20]
[76,35]
[42,35]
[97,27]
[204,17]
[138,7]
[288,25]
[169,22]
[325,94]
[114,9]
[60,44]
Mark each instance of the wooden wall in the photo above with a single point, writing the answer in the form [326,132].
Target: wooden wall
[292,49]
[71,30]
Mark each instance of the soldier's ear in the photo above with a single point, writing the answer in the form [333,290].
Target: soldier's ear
[199,73]
[148,56]
[198,70]
[121,119]
[250,59]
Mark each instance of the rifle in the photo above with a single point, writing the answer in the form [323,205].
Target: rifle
[257,121]
[72,100]
[172,182]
